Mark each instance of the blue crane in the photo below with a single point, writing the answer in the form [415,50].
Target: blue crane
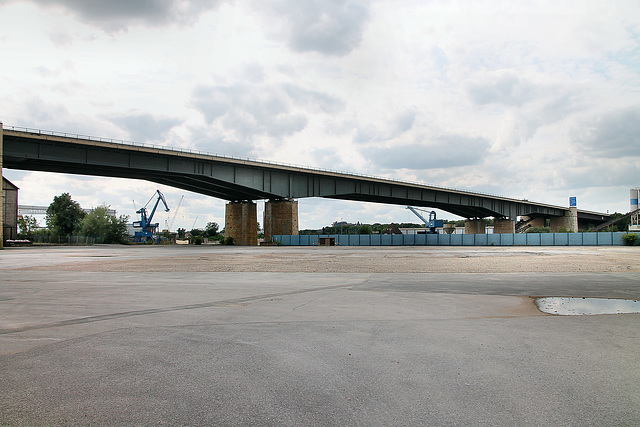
[432,223]
[147,228]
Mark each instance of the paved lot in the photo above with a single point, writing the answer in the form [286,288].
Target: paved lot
[83,342]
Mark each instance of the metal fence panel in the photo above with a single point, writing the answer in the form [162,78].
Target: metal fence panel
[434,239]
[525,239]
[547,239]
[468,239]
[605,239]
[575,239]
[494,239]
[507,239]
[455,239]
[342,240]
[520,239]
[533,239]
[617,237]
[590,239]
[482,239]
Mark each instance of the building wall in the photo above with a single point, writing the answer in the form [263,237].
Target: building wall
[9,210]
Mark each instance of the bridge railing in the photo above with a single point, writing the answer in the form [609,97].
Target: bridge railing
[226,156]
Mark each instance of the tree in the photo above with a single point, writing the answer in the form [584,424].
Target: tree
[181,233]
[117,232]
[622,225]
[211,230]
[64,215]
[27,225]
[365,229]
[98,223]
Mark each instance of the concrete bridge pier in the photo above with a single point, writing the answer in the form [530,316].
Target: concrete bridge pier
[569,221]
[280,217]
[504,226]
[241,223]
[475,226]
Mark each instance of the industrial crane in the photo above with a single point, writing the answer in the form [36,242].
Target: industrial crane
[432,223]
[147,228]
[175,214]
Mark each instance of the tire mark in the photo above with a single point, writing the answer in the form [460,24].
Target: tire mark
[125,314]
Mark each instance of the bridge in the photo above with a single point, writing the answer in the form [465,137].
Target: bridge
[243,181]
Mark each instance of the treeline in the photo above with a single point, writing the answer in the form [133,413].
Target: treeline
[376,228]
[66,222]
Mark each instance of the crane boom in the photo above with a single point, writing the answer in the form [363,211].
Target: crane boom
[160,197]
[175,213]
[432,223]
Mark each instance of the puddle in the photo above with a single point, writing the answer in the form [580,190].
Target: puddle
[564,306]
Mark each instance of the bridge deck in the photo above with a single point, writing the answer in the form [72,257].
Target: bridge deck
[231,178]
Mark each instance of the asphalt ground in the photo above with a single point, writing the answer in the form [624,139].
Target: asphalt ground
[81,346]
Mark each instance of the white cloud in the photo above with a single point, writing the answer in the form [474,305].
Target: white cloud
[332,27]
[117,15]
[613,134]
[536,100]
[445,151]
[144,127]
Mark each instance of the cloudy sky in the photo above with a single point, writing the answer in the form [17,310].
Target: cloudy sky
[528,99]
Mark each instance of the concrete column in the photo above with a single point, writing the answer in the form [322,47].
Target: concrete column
[280,217]
[241,223]
[569,221]
[504,226]
[1,194]
[474,226]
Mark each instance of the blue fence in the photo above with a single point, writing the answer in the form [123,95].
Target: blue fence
[524,239]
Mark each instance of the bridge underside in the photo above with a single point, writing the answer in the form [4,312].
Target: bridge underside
[198,184]
[246,184]
[459,210]
[245,180]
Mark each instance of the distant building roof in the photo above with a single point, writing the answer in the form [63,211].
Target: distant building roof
[6,184]
[392,229]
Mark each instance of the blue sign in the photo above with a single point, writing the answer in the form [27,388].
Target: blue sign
[573,202]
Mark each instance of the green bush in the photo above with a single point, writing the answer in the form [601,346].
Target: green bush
[630,239]
[197,240]
[538,230]
[564,230]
